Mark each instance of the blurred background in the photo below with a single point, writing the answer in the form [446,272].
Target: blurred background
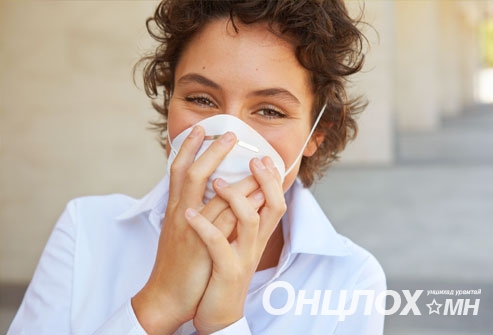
[415,188]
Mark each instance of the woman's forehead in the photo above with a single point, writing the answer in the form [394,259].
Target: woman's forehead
[251,55]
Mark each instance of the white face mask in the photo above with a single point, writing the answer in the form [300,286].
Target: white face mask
[250,144]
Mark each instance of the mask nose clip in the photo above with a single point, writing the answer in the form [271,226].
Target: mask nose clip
[238,142]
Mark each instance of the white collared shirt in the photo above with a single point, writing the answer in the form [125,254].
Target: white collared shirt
[102,250]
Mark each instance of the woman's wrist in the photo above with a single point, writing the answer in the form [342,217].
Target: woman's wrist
[206,328]
[157,315]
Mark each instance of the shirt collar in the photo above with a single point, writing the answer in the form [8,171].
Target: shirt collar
[306,228]
[155,202]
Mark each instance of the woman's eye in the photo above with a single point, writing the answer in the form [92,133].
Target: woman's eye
[271,113]
[203,101]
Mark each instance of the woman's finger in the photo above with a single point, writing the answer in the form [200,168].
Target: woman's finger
[218,246]
[246,212]
[201,169]
[226,221]
[217,205]
[270,183]
[183,160]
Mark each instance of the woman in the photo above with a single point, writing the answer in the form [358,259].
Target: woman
[203,252]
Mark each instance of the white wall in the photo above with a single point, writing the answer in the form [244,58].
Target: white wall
[375,141]
[417,52]
[449,75]
[72,122]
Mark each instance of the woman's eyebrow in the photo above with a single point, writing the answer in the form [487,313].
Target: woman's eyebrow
[199,79]
[267,92]
[277,92]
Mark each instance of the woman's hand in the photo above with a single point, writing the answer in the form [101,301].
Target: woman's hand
[183,267]
[235,262]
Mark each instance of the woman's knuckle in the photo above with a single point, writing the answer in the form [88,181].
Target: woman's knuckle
[281,206]
[193,175]
[176,167]
[214,237]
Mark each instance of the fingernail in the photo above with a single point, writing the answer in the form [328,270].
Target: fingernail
[258,164]
[195,132]
[259,196]
[221,183]
[190,213]
[227,138]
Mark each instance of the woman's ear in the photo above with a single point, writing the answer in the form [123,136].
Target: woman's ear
[317,139]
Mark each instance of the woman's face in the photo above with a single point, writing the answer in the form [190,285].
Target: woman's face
[252,75]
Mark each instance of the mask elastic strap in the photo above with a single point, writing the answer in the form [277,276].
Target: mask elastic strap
[171,145]
[307,140]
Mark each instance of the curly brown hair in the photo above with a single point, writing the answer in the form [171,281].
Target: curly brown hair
[327,41]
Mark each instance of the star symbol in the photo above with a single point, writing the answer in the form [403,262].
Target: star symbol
[432,309]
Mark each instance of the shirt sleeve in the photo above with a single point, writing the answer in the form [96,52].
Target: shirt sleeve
[124,321]
[240,327]
[45,308]
[361,319]
[47,304]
